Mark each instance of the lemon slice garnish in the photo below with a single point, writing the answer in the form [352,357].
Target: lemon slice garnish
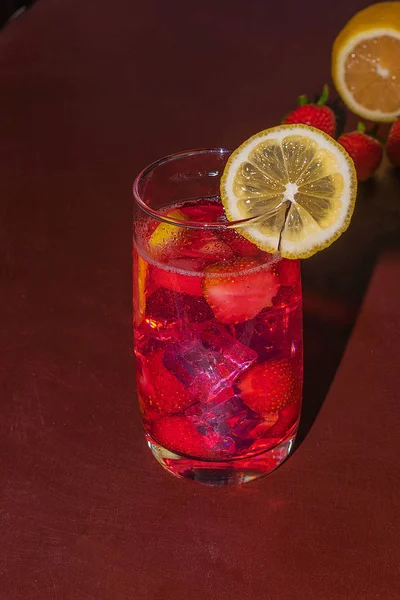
[165,233]
[296,184]
[366,62]
[141,282]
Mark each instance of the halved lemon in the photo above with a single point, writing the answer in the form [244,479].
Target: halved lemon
[296,184]
[366,62]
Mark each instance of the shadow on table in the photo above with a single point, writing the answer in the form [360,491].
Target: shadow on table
[334,285]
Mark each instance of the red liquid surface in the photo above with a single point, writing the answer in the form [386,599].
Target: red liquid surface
[218,339]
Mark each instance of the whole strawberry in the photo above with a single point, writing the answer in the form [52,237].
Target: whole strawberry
[393,144]
[365,150]
[317,114]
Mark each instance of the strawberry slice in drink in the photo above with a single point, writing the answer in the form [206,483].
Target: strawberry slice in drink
[178,434]
[159,389]
[288,416]
[238,289]
[277,425]
[268,387]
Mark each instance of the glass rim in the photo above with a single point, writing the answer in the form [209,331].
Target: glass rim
[180,222]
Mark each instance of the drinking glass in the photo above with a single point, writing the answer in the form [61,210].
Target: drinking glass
[217,329]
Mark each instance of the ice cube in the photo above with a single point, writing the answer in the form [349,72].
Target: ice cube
[192,365]
[169,316]
[273,334]
[153,334]
[205,212]
[209,362]
[211,248]
[257,333]
[237,357]
[231,421]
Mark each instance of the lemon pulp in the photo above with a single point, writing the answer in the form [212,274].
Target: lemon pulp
[296,184]
[366,62]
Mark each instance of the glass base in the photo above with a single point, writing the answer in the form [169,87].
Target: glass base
[223,472]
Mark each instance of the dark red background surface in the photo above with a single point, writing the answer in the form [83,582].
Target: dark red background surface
[90,93]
